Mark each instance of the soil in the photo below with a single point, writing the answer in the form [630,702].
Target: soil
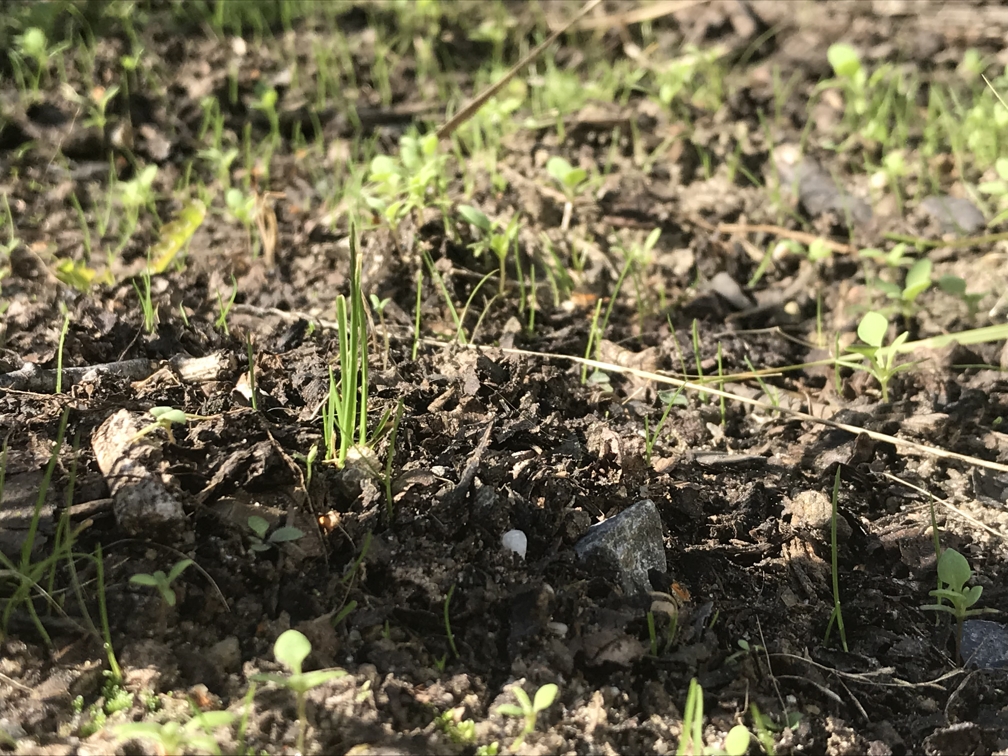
[500,433]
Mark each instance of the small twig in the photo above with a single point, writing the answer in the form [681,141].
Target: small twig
[476,103]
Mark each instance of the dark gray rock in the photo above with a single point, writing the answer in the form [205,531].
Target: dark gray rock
[984,644]
[627,545]
[955,215]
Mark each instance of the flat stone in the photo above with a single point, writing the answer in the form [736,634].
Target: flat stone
[955,215]
[628,545]
[984,644]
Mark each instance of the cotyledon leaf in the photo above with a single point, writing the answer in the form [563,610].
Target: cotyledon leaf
[175,235]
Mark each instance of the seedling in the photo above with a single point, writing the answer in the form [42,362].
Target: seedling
[953,573]
[32,45]
[495,236]
[161,581]
[736,742]
[571,181]
[398,187]
[291,649]
[447,622]
[165,417]
[175,235]
[172,737]
[998,188]
[881,360]
[894,258]
[259,528]
[669,398]
[837,614]
[918,280]
[956,286]
[147,307]
[225,309]
[528,710]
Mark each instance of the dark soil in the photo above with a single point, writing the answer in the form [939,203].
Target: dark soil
[503,433]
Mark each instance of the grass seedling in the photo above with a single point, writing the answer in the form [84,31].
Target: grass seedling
[837,614]
[571,181]
[59,353]
[25,574]
[691,742]
[147,307]
[528,710]
[346,408]
[695,334]
[291,649]
[389,459]
[172,737]
[881,360]
[225,309]
[253,394]
[161,581]
[669,398]
[953,573]
[416,315]
[259,527]
[447,622]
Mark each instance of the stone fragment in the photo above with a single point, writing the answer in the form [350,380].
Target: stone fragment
[627,545]
[141,503]
[955,215]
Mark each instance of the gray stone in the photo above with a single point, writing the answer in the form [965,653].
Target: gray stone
[984,644]
[629,545]
[955,215]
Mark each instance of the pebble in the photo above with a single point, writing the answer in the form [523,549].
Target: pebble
[628,544]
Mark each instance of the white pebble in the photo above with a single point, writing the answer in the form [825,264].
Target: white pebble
[515,540]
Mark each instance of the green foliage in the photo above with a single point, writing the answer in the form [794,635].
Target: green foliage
[954,572]
[398,186]
[528,710]
[175,234]
[881,359]
[172,737]
[291,649]
[917,281]
[571,180]
[161,581]
[691,742]
[259,528]
[493,235]
[956,287]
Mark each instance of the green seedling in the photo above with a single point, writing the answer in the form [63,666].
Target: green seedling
[493,236]
[172,737]
[447,622]
[998,189]
[953,573]
[266,104]
[881,359]
[918,280]
[259,528]
[397,187]
[220,162]
[736,742]
[956,286]
[458,730]
[291,649]
[175,235]
[59,352]
[894,258]
[147,307]
[668,398]
[837,614]
[80,275]
[32,45]
[571,180]
[528,710]
[161,581]
[134,195]
[344,415]
[164,418]
[225,308]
